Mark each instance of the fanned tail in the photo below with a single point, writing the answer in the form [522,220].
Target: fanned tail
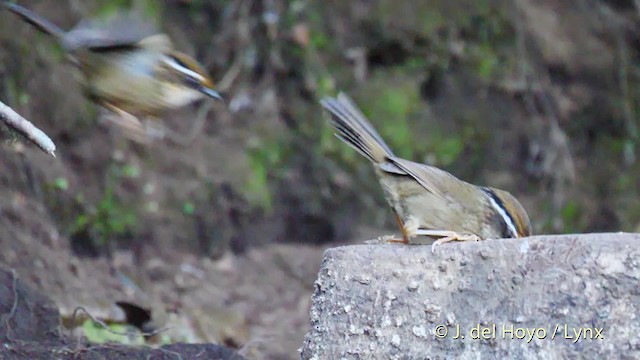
[354,129]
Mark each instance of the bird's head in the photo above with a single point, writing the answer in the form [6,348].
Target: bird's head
[186,71]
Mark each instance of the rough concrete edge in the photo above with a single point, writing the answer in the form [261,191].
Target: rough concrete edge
[532,242]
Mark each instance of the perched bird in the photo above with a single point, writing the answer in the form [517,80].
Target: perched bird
[126,65]
[427,200]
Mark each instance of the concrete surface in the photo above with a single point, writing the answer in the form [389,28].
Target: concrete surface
[543,297]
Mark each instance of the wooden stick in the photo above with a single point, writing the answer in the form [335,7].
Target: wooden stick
[27,129]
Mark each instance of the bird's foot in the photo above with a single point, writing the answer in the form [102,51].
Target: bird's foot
[410,228]
[393,240]
[447,236]
[385,239]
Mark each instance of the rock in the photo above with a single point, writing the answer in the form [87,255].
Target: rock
[30,329]
[26,315]
[543,297]
[30,351]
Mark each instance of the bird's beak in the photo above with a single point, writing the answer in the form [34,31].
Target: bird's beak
[211,93]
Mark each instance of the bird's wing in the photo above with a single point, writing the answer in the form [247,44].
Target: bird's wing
[431,178]
[120,31]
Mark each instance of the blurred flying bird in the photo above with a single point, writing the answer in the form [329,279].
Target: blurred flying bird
[126,65]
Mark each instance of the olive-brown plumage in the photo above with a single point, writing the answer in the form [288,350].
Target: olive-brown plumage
[427,200]
[126,65]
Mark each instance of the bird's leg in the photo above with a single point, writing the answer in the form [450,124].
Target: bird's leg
[175,136]
[154,130]
[131,126]
[446,236]
[194,132]
[140,134]
[405,228]
[122,118]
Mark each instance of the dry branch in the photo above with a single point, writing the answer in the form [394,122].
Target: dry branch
[27,129]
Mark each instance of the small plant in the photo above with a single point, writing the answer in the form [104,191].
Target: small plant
[97,333]
[109,218]
[448,149]
[263,158]
[188,208]
[391,112]
[61,184]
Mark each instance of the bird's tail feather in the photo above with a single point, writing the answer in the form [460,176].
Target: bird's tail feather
[354,129]
[34,19]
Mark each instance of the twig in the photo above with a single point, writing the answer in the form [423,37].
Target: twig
[244,9]
[244,349]
[167,352]
[637,3]
[106,327]
[14,307]
[27,129]
[627,106]
[231,75]
[196,127]
[557,162]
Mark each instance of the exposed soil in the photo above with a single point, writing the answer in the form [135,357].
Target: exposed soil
[258,301]
[221,236]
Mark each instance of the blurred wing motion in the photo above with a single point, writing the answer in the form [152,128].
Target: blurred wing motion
[34,19]
[118,32]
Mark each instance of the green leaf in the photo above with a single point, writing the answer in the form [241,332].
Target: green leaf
[131,171]
[98,334]
[61,184]
[188,208]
